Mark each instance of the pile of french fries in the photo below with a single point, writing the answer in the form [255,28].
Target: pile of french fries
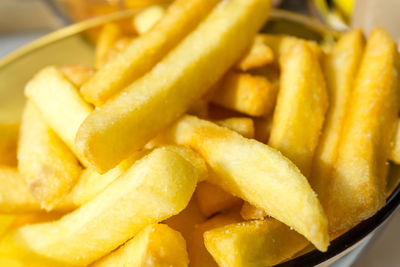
[199,141]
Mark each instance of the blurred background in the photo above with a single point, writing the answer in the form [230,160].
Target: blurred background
[22,21]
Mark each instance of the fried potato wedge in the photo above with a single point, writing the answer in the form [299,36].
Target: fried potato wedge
[254,243]
[186,220]
[340,68]
[246,93]
[145,51]
[48,165]
[241,125]
[146,19]
[60,104]
[281,44]
[300,107]
[156,245]
[154,188]
[198,254]
[212,199]
[128,121]
[256,173]
[258,55]
[250,212]
[77,74]
[109,34]
[8,143]
[357,187]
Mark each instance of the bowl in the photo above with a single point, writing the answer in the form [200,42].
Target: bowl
[71,45]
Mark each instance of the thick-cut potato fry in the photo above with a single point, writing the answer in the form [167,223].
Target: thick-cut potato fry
[258,55]
[91,183]
[186,220]
[147,18]
[59,103]
[198,254]
[109,34]
[154,188]
[256,173]
[262,129]
[35,217]
[212,199]
[246,93]
[156,245]
[300,108]
[132,118]
[6,220]
[241,125]
[145,51]
[357,186]
[8,143]
[250,212]
[15,196]
[254,243]
[48,165]
[395,151]
[340,68]
[77,74]
[281,44]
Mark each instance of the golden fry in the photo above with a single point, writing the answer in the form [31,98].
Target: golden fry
[77,74]
[241,125]
[147,50]
[395,151]
[254,243]
[245,93]
[357,186]
[109,34]
[198,254]
[8,143]
[258,55]
[256,173]
[127,122]
[60,104]
[300,108]
[212,199]
[250,212]
[155,245]
[154,188]
[340,68]
[48,165]
[147,18]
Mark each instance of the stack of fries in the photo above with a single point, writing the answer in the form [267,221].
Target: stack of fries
[286,144]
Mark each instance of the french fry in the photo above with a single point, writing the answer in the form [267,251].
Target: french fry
[212,199]
[6,220]
[281,44]
[250,212]
[262,129]
[60,104]
[155,245]
[340,68]
[256,173]
[35,217]
[147,50]
[258,55]
[300,108]
[198,254]
[186,220]
[254,243]
[154,188]
[395,151]
[109,34]
[48,165]
[147,18]
[132,118]
[245,93]
[8,143]
[357,185]
[77,74]
[15,196]
[241,125]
